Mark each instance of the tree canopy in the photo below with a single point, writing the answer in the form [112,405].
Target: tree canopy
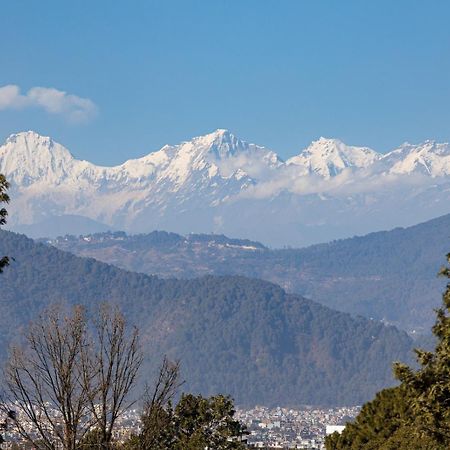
[196,422]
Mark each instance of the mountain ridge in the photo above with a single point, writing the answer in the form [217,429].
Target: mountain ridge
[221,183]
[388,275]
[237,335]
[222,143]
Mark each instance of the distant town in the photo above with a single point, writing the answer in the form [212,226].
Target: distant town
[268,428]
[286,428]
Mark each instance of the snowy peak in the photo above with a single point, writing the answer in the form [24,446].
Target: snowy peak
[429,158]
[329,157]
[220,144]
[222,140]
[217,154]
[35,146]
[28,157]
[219,157]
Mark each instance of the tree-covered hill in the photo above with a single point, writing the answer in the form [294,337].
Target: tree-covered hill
[236,335]
[388,275]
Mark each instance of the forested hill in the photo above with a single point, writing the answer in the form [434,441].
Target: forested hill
[235,335]
[386,275]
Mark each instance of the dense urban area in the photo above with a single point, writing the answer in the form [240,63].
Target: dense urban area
[286,428]
[268,428]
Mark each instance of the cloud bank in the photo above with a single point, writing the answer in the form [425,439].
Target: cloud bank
[73,108]
[347,183]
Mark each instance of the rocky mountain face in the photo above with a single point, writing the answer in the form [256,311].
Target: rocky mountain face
[220,183]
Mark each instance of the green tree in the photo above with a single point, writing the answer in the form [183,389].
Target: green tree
[383,424]
[207,423]
[429,387]
[196,423]
[416,414]
[4,198]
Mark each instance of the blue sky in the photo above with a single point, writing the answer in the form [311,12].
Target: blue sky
[278,73]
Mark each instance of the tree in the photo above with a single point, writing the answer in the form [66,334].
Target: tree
[429,387]
[4,198]
[44,379]
[158,431]
[207,423]
[66,381]
[378,421]
[415,414]
[195,423]
[110,366]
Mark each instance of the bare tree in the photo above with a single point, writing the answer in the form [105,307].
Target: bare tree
[157,411]
[44,380]
[111,367]
[69,378]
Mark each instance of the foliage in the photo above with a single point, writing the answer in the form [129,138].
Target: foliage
[195,423]
[429,387]
[416,414]
[207,422]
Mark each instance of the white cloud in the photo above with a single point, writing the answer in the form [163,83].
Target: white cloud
[349,182]
[53,101]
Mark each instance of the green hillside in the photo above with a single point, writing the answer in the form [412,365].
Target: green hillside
[236,335]
[389,275]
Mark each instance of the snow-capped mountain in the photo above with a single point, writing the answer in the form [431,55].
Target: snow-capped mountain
[30,158]
[329,157]
[429,158]
[221,183]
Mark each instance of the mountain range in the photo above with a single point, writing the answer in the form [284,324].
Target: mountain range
[220,183]
[388,276]
[235,335]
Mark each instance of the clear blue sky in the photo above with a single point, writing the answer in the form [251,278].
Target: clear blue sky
[278,73]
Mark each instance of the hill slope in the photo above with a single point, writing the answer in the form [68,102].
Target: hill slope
[242,336]
[388,275]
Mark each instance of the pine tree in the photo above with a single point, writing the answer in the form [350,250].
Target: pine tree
[429,387]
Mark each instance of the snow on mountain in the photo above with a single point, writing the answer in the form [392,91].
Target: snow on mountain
[429,158]
[329,157]
[209,168]
[28,158]
[219,182]
[218,154]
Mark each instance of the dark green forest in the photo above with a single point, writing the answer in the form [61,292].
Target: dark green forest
[241,336]
[388,276]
